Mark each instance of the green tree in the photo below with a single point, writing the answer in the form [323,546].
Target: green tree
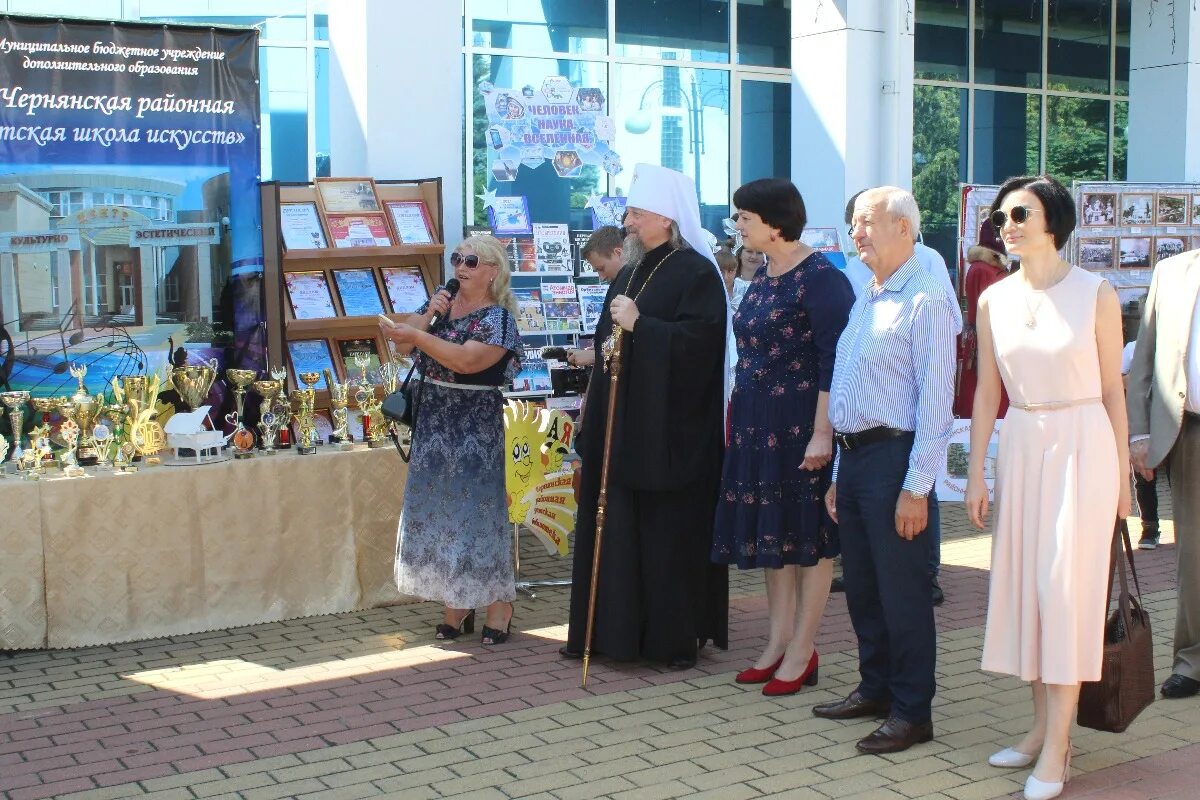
[936,157]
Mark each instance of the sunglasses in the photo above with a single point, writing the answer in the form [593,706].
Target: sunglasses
[469,261]
[1019,215]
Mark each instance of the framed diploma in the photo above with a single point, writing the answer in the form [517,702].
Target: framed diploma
[347,195]
[358,230]
[310,355]
[309,295]
[301,227]
[412,221]
[405,288]
[351,350]
[359,292]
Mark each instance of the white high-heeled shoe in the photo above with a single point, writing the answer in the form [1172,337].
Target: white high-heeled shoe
[1047,790]
[1011,758]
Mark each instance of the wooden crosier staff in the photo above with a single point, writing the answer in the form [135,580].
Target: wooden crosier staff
[612,361]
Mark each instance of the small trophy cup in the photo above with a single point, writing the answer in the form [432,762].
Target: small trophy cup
[15,403]
[31,465]
[243,437]
[86,410]
[194,382]
[282,409]
[339,399]
[268,421]
[306,444]
[44,406]
[374,425]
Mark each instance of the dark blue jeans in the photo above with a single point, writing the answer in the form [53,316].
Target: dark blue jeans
[887,580]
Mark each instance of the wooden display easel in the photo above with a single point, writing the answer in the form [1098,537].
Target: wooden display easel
[278,261]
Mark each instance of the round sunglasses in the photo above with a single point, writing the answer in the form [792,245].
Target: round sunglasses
[1019,215]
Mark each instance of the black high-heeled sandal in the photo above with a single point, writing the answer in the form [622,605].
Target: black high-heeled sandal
[497,636]
[465,625]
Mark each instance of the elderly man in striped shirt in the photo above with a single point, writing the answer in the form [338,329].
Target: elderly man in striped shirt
[890,405]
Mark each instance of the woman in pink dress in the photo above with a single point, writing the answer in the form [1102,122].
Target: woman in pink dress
[1050,334]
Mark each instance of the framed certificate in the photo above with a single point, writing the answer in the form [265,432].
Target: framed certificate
[406,289]
[358,230]
[347,195]
[310,355]
[301,227]
[412,221]
[510,215]
[351,349]
[309,295]
[358,291]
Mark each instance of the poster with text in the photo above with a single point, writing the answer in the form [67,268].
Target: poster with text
[119,133]
[553,248]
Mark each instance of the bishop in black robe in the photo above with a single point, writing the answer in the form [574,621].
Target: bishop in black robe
[660,597]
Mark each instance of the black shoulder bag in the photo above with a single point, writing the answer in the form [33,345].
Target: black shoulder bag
[400,407]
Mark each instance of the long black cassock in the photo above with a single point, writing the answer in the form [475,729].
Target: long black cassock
[660,597]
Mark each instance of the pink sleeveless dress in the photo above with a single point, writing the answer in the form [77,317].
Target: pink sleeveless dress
[1057,484]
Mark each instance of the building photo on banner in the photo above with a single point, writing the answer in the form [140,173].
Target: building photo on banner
[129,183]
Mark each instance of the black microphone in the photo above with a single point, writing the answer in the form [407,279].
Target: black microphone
[451,287]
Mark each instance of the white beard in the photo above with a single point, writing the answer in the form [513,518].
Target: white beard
[633,250]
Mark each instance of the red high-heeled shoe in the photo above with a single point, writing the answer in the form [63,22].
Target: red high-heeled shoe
[755,675]
[778,688]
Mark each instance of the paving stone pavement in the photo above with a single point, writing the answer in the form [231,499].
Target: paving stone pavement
[368,705]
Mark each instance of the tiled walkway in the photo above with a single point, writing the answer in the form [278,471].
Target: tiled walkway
[366,705]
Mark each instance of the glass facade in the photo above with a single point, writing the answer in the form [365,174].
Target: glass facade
[682,80]
[1039,85]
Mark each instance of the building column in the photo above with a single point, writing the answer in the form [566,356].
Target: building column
[852,97]
[10,315]
[204,291]
[396,95]
[1164,92]
[147,269]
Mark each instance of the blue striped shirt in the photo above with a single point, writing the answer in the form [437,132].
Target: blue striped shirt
[895,368]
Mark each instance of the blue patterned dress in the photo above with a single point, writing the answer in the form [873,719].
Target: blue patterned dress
[770,512]
[455,541]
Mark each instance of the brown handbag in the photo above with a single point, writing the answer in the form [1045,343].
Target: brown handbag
[1126,684]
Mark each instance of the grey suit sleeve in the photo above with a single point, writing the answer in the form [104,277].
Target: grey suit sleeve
[1141,369]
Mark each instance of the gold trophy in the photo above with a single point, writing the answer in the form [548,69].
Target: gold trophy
[44,406]
[145,436]
[306,441]
[87,409]
[31,465]
[193,382]
[375,427]
[69,430]
[15,403]
[339,399]
[134,389]
[282,408]
[243,438]
[268,420]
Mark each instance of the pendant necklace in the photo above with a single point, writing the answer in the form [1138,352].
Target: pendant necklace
[610,344]
[1031,321]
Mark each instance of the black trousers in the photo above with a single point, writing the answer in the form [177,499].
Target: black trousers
[887,580]
[1147,500]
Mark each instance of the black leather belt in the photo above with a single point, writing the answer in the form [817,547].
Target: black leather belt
[849,441]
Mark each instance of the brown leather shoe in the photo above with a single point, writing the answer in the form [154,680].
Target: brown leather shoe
[856,705]
[895,735]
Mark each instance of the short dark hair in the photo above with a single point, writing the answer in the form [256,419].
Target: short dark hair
[1057,203]
[850,206]
[777,201]
[603,242]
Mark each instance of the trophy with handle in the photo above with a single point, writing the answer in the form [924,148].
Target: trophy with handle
[86,409]
[268,421]
[374,425]
[306,443]
[194,381]
[282,408]
[15,402]
[243,437]
[69,431]
[339,399]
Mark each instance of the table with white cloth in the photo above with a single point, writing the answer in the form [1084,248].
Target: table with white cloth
[172,550]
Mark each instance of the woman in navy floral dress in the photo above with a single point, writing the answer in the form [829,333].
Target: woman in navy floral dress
[778,464]
[455,542]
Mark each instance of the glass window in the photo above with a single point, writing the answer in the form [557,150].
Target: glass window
[1124,25]
[939,163]
[1079,54]
[764,33]
[283,94]
[1120,141]
[93,9]
[321,27]
[503,168]
[558,26]
[766,127]
[1007,135]
[677,117]
[685,30]
[1008,42]
[940,42]
[321,110]
[1076,139]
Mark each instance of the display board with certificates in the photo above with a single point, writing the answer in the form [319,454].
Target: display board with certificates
[347,195]
[301,227]
[309,295]
[405,288]
[358,230]
[358,292]
[411,221]
[311,355]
